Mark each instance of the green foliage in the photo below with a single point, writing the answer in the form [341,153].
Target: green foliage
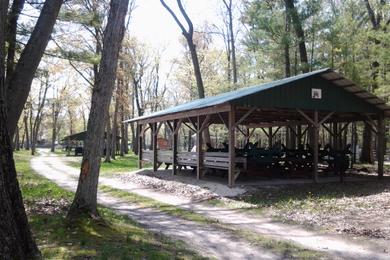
[338,34]
[117,238]
[121,164]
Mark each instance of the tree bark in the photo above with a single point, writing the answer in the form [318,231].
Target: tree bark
[55,122]
[188,35]
[39,115]
[25,121]
[85,200]
[107,139]
[21,79]
[367,149]
[367,155]
[229,8]
[16,142]
[16,9]
[292,11]
[115,124]
[16,240]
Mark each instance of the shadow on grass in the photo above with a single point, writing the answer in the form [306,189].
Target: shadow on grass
[282,195]
[118,238]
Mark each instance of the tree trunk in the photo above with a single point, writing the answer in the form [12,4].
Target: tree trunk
[85,200]
[25,121]
[16,9]
[70,122]
[195,63]
[124,141]
[16,143]
[22,142]
[292,11]
[16,240]
[21,79]
[108,140]
[229,8]
[38,117]
[54,130]
[115,125]
[354,141]
[367,151]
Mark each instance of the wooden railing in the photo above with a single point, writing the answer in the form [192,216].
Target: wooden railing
[147,155]
[216,160]
[220,160]
[164,156]
[187,158]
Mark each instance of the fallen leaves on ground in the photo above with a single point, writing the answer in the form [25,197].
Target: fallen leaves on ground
[47,206]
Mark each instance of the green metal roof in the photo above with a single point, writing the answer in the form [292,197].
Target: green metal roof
[291,92]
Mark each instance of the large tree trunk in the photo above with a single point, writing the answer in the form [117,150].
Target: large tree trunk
[367,149]
[188,34]
[229,8]
[85,200]
[195,63]
[16,9]
[16,241]
[292,11]
[21,79]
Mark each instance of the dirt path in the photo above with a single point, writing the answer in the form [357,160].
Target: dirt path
[335,245]
[206,240]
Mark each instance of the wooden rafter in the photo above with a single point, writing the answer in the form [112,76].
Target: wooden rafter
[265,132]
[223,121]
[176,130]
[325,118]
[306,116]
[328,129]
[245,116]
[205,123]
[276,131]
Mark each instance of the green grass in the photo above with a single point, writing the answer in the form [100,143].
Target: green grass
[121,238]
[286,249]
[315,198]
[127,163]
[118,238]
[164,207]
[121,164]
[60,152]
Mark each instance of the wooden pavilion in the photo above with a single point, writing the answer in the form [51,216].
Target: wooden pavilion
[312,99]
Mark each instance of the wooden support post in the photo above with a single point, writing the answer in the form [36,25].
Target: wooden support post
[154,146]
[270,137]
[140,136]
[199,144]
[381,146]
[299,135]
[315,146]
[174,146]
[247,136]
[232,154]
[335,136]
